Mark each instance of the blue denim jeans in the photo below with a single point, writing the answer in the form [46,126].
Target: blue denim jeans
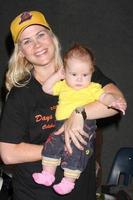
[54,148]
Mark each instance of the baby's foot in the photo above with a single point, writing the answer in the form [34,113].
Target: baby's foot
[44,178]
[64,187]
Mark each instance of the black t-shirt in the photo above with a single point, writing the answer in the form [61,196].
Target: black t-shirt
[29,116]
[100,78]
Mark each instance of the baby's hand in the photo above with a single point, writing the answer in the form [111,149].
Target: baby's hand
[118,104]
[61,73]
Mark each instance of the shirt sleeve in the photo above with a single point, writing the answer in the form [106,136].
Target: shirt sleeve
[97,90]
[100,78]
[13,125]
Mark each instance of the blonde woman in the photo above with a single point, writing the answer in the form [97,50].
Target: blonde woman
[29,113]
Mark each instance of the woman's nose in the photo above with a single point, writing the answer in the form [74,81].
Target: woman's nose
[36,42]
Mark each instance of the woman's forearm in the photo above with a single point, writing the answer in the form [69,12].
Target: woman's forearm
[97,110]
[20,153]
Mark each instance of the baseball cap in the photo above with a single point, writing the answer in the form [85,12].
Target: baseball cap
[26,19]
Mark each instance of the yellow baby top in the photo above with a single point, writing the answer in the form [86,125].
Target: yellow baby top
[69,99]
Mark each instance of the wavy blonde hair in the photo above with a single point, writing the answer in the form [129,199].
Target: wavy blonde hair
[19,68]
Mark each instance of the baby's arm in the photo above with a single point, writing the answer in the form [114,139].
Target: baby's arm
[49,83]
[113,101]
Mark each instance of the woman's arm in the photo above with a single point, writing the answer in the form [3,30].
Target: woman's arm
[20,153]
[73,127]
[14,127]
[97,110]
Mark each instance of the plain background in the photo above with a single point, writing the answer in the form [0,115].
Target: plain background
[107,27]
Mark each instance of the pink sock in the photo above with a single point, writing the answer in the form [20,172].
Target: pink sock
[64,187]
[44,178]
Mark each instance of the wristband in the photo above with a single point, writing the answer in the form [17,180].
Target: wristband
[81,110]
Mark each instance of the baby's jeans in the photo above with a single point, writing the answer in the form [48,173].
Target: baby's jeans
[54,151]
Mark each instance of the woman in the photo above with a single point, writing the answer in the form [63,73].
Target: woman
[28,116]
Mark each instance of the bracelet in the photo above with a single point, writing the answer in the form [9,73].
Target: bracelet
[81,110]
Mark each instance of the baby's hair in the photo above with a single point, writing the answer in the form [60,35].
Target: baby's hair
[79,51]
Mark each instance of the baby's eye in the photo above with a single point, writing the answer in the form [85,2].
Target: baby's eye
[73,74]
[85,75]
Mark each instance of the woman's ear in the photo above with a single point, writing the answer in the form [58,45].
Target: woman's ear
[21,54]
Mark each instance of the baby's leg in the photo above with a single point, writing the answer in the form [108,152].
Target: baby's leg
[52,153]
[71,172]
[74,164]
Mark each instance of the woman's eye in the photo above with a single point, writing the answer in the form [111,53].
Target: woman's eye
[41,35]
[26,42]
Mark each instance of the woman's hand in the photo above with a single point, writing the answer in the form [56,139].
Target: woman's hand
[73,130]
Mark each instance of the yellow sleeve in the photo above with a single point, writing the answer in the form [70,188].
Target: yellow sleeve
[97,90]
[57,88]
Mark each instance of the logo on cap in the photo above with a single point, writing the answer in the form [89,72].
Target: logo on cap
[25,16]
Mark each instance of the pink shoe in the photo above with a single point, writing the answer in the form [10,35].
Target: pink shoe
[64,187]
[44,178]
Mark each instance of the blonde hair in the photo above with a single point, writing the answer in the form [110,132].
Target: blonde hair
[81,52]
[19,68]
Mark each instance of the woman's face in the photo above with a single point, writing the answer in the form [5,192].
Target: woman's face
[36,45]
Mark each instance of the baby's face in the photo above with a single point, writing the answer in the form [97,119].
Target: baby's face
[78,73]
